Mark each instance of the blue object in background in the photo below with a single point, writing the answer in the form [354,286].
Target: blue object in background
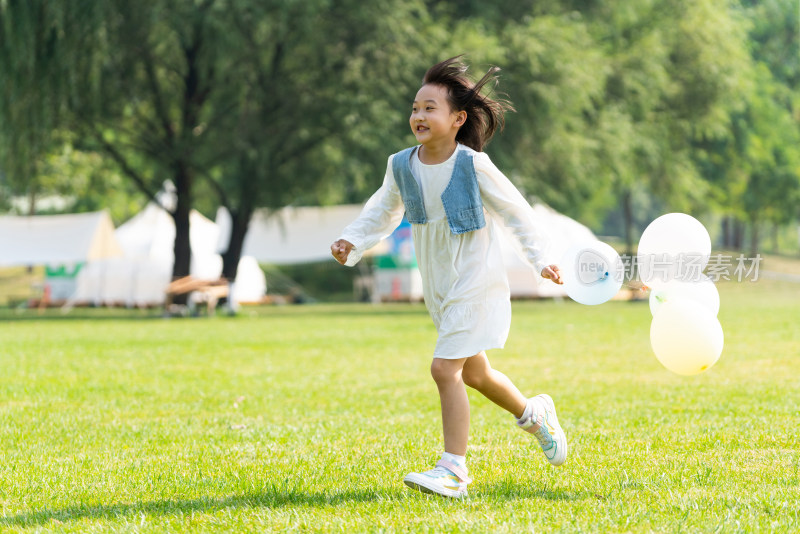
[401,249]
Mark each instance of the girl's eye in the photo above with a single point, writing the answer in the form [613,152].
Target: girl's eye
[428,108]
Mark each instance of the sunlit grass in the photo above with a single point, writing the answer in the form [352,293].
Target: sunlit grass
[19,284]
[307,419]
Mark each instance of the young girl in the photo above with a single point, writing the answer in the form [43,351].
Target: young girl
[446,186]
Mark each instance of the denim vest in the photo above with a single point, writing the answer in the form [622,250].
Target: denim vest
[461,198]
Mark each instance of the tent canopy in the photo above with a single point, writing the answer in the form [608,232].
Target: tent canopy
[292,234]
[141,277]
[558,233]
[56,239]
[304,234]
[151,234]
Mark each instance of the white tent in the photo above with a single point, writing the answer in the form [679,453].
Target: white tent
[150,236]
[304,234]
[558,233]
[141,277]
[292,234]
[57,239]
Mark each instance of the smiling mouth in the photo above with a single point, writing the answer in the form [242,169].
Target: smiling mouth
[421,129]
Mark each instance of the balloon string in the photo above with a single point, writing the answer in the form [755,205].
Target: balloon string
[638,286]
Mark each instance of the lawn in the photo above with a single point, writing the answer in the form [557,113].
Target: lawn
[307,418]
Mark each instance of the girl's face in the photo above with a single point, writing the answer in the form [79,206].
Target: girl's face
[432,120]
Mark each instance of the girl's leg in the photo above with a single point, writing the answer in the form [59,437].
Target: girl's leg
[539,412]
[455,404]
[493,384]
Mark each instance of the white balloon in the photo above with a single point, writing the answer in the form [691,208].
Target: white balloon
[703,291]
[592,272]
[674,246]
[686,337]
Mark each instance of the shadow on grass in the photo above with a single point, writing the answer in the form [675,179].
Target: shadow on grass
[275,498]
[265,499]
[101,315]
[357,310]
[261,312]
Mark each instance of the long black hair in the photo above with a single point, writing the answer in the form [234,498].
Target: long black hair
[485,115]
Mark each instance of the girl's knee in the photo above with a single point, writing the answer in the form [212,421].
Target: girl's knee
[476,370]
[444,371]
[473,378]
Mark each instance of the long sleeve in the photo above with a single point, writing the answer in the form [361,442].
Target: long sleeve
[381,215]
[504,202]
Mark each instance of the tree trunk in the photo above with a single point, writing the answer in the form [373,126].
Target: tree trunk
[32,202]
[726,232]
[754,237]
[183,245]
[193,99]
[627,214]
[776,239]
[627,211]
[240,222]
[738,235]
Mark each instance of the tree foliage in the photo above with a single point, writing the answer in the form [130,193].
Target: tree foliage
[303,113]
[248,104]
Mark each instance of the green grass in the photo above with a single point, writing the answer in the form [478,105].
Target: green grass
[307,418]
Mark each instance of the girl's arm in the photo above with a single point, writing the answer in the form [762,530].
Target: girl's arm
[504,201]
[381,215]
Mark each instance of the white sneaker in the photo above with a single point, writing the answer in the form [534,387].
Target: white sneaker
[543,424]
[445,479]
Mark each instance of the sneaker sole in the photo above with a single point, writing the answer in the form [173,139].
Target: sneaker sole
[561,438]
[422,484]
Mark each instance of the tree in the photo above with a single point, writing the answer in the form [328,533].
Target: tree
[317,84]
[249,104]
[36,83]
[776,47]
[754,167]
[134,80]
[771,150]
[261,101]
[608,96]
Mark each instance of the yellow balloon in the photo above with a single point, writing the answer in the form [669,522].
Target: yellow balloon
[686,337]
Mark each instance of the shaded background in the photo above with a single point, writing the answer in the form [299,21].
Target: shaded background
[624,110]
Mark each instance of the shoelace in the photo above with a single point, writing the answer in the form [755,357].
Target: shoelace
[545,440]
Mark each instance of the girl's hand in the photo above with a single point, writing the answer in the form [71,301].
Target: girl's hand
[552,272]
[341,249]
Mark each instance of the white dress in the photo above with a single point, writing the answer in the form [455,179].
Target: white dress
[463,277]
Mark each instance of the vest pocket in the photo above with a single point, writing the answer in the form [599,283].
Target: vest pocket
[472,217]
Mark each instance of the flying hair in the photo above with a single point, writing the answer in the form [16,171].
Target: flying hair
[485,115]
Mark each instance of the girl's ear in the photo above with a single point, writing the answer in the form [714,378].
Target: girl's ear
[461,118]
